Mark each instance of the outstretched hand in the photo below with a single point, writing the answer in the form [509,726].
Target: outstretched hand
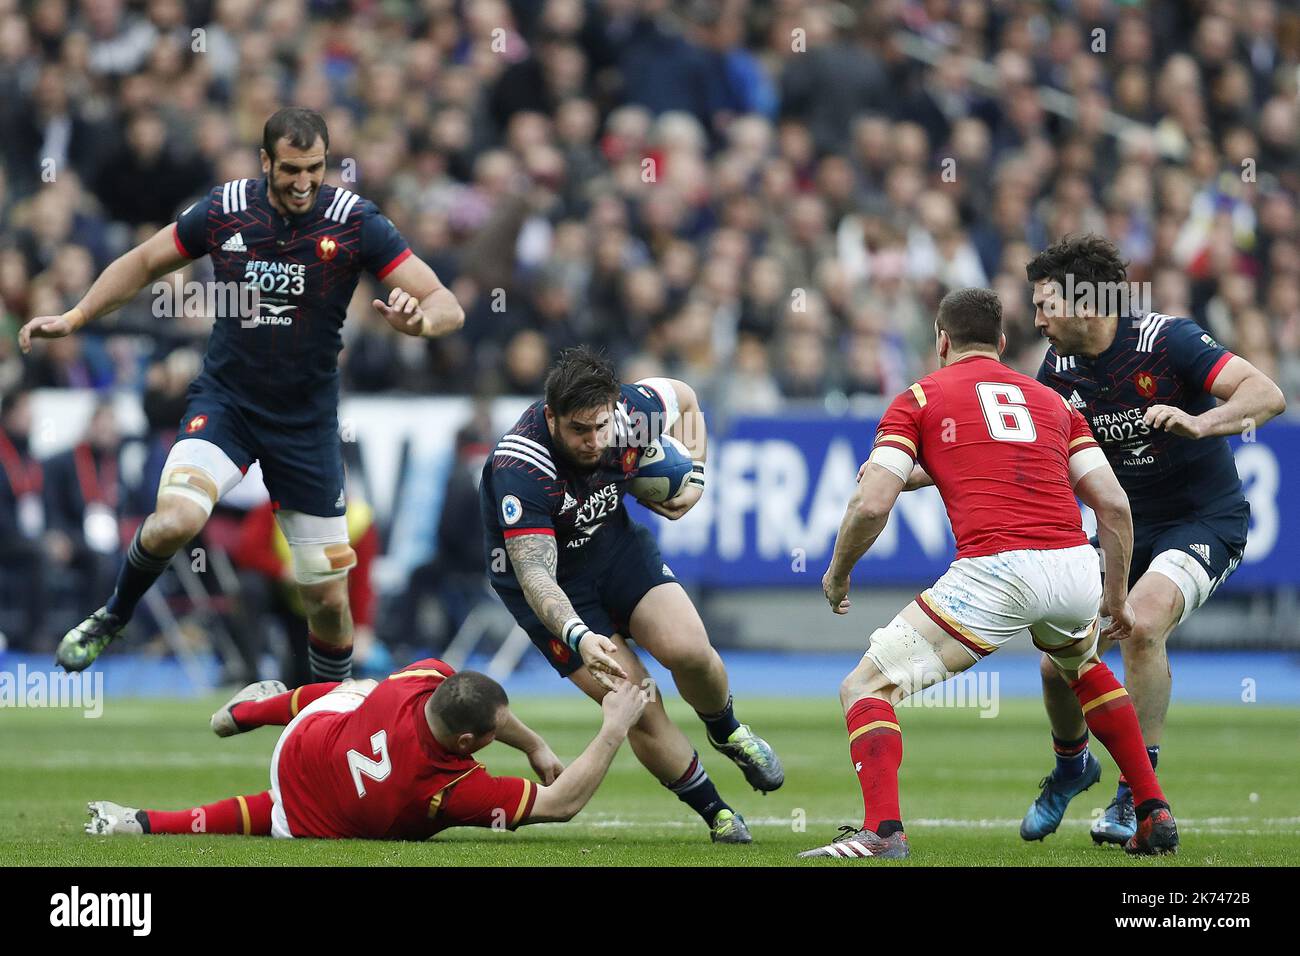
[402,311]
[837,593]
[597,653]
[1122,621]
[1173,420]
[43,327]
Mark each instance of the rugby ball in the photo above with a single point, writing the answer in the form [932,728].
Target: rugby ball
[662,470]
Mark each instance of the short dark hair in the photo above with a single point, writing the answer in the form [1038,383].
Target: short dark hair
[1089,258]
[582,378]
[971,317]
[467,702]
[302,127]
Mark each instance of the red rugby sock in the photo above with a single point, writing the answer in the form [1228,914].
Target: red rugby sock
[876,747]
[277,711]
[1112,720]
[250,816]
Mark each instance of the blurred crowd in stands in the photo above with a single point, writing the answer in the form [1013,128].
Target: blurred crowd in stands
[766,199]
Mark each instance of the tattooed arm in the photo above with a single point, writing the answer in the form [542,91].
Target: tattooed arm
[534,558]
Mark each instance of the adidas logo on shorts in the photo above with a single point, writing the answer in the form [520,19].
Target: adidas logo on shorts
[1202,551]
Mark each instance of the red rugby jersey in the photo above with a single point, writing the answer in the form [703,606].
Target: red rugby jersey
[377,772]
[998,446]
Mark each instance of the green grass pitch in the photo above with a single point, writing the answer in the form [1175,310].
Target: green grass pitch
[1232,773]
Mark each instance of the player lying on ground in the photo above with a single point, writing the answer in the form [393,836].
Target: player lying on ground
[1147,385]
[581,577]
[269,388]
[1008,457]
[391,760]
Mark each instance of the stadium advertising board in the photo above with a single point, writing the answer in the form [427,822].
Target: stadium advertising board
[778,487]
[776,491]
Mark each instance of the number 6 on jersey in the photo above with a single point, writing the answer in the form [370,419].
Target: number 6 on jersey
[1005,412]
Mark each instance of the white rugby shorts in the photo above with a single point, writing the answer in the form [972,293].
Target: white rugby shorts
[985,601]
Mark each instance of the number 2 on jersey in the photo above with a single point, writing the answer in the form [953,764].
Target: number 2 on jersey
[1005,412]
[374,769]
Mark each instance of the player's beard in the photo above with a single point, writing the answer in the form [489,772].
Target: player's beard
[576,463]
[1068,340]
[1066,344]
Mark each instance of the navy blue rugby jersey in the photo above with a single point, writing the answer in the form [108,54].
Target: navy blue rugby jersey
[1154,360]
[282,364]
[527,488]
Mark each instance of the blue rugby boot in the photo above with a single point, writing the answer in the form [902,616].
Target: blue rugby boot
[1045,813]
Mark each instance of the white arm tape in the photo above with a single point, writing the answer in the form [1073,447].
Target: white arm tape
[573,632]
[1085,460]
[894,460]
[696,477]
[663,387]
